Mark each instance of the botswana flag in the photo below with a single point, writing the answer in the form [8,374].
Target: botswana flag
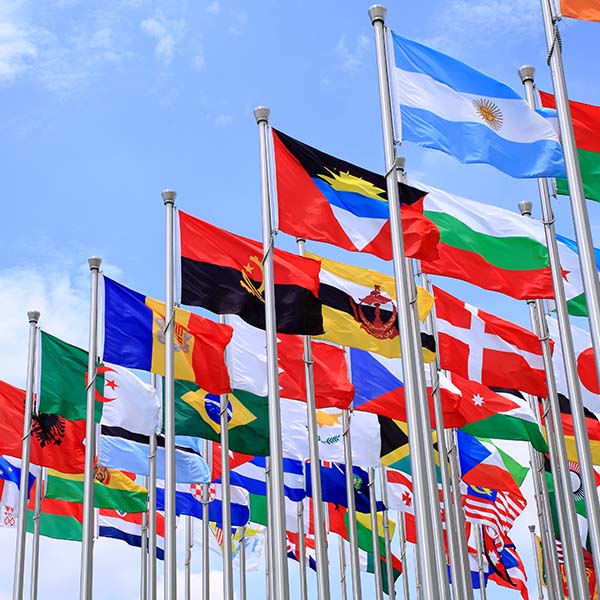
[223,272]
[326,199]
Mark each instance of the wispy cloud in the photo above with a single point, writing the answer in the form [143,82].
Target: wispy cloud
[238,23]
[168,33]
[213,8]
[352,57]
[18,50]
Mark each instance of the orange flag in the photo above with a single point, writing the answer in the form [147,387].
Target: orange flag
[587,10]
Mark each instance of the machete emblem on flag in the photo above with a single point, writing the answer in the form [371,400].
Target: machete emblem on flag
[247,283]
[489,113]
[382,330]
[48,429]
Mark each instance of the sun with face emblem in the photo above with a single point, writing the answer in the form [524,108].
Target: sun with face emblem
[490,113]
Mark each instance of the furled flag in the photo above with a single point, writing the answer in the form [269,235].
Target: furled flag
[325,199]
[55,441]
[10,481]
[586,10]
[127,527]
[449,106]
[122,399]
[113,489]
[58,519]
[487,349]
[134,337]
[223,273]
[359,309]
[488,246]
[586,126]
[128,451]
[586,368]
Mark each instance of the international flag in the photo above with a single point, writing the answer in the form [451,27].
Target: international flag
[484,348]
[360,309]
[507,569]
[134,337]
[586,10]
[235,460]
[325,199]
[10,482]
[449,106]
[127,527]
[58,519]
[223,273]
[293,549]
[54,442]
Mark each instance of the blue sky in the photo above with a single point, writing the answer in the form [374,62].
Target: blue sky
[104,104]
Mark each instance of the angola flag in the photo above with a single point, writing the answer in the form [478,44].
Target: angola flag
[325,199]
[223,273]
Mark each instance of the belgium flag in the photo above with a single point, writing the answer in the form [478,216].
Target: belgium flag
[223,272]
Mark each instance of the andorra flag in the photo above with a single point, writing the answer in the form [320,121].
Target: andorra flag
[325,199]
[223,273]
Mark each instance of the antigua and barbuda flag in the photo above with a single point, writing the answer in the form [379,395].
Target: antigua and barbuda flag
[326,199]
[450,106]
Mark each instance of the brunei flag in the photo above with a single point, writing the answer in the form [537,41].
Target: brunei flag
[134,337]
[325,199]
[359,309]
[223,273]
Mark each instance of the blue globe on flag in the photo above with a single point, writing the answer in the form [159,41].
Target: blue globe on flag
[212,404]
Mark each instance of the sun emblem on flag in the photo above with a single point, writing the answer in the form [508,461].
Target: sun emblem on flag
[489,112]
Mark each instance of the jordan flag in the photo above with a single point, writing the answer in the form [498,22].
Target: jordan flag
[223,272]
[325,199]
[482,347]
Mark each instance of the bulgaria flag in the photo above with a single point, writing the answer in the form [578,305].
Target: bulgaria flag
[487,349]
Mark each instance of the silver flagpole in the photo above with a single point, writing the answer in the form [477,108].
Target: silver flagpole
[386,535]
[402,538]
[538,567]
[315,466]
[352,531]
[35,549]
[243,563]
[86,589]
[226,490]
[152,446]
[33,318]
[375,537]
[144,551]
[206,450]
[302,551]
[169,403]
[567,516]
[425,523]
[278,538]
[188,558]
[479,538]
[342,554]
[269,537]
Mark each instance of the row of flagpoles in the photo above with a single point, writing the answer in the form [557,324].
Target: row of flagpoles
[430,549]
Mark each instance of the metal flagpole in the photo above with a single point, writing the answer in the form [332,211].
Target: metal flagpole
[243,563]
[269,537]
[315,466]
[33,317]
[402,538]
[538,568]
[226,490]
[343,583]
[144,552]
[567,516]
[87,547]
[352,530]
[169,403]
[187,563]
[278,541]
[386,535]
[479,538]
[206,450]
[433,588]
[35,549]
[375,537]
[302,551]
[152,446]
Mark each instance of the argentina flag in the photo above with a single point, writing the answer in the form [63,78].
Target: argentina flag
[449,106]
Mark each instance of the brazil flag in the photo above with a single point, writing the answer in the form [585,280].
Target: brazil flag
[197,413]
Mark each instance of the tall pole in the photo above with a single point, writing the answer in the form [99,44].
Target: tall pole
[206,528]
[480,565]
[375,537]
[33,318]
[279,543]
[152,448]
[315,466]
[302,551]
[35,548]
[426,530]
[402,540]
[144,552]
[243,593]
[187,565]
[386,536]
[343,583]
[226,490]
[538,567]
[169,402]
[87,547]
[268,536]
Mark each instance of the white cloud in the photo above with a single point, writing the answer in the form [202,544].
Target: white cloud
[213,8]
[199,60]
[352,58]
[238,23]
[17,47]
[168,33]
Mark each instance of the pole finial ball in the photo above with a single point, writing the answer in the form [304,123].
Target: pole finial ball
[377,12]
[525,207]
[526,73]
